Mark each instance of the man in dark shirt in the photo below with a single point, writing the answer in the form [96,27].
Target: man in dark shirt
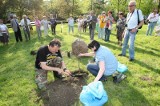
[49,58]
[53,24]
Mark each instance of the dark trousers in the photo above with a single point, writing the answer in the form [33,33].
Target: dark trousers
[53,28]
[18,35]
[94,69]
[27,33]
[107,34]
[91,32]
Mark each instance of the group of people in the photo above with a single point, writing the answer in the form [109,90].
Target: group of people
[25,23]
[106,64]
[49,57]
[83,22]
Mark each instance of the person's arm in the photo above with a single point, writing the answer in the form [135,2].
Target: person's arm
[12,23]
[101,70]
[49,68]
[86,54]
[141,21]
[66,71]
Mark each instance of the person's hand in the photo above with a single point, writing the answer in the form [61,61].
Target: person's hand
[60,71]
[67,72]
[134,30]
[80,55]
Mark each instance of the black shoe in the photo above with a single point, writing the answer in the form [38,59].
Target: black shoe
[119,78]
[121,55]
[131,59]
[104,80]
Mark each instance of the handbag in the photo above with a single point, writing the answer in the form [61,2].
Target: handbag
[41,28]
[110,27]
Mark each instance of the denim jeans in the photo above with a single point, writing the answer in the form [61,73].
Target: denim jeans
[107,34]
[71,28]
[38,32]
[129,36]
[151,26]
[101,33]
[94,69]
[91,32]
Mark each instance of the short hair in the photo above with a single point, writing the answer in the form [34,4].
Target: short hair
[55,42]
[24,16]
[14,16]
[93,44]
[110,12]
[121,13]
[133,2]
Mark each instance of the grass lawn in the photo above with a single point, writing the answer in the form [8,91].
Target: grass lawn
[141,88]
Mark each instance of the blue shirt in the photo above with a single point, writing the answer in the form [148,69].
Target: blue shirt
[110,61]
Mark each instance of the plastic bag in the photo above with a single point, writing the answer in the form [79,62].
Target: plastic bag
[122,68]
[42,28]
[93,94]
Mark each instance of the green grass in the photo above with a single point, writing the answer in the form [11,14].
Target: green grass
[17,86]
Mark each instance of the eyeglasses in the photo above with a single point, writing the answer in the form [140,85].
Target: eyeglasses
[131,5]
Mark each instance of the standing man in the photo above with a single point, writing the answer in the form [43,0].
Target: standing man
[70,24]
[53,24]
[92,24]
[49,58]
[25,23]
[152,20]
[131,29]
[16,28]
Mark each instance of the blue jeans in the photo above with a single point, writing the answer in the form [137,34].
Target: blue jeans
[71,28]
[107,34]
[94,69]
[129,36]
[101,33]
[151,26]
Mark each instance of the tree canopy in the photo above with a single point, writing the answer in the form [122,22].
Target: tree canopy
[64,8]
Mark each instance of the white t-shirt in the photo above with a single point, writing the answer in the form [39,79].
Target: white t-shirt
[3,28]
[153,18]
[71,22]
[132,19]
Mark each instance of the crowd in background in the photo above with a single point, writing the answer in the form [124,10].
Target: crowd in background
[102,23]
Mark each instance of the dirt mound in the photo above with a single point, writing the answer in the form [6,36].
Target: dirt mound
[63,92]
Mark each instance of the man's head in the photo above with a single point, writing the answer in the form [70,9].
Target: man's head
[54,45]
[24,16]
[109,13]
[14,16]
[131,6]
[120,14]
[94,45]
[44,17]
[92,13]
[103,13]
[155,11]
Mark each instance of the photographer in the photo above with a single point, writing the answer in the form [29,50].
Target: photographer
[152,20]
[131,29]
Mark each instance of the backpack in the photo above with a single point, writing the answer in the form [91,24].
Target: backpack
[138,20]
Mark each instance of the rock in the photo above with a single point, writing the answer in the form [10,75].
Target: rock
[79,46]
